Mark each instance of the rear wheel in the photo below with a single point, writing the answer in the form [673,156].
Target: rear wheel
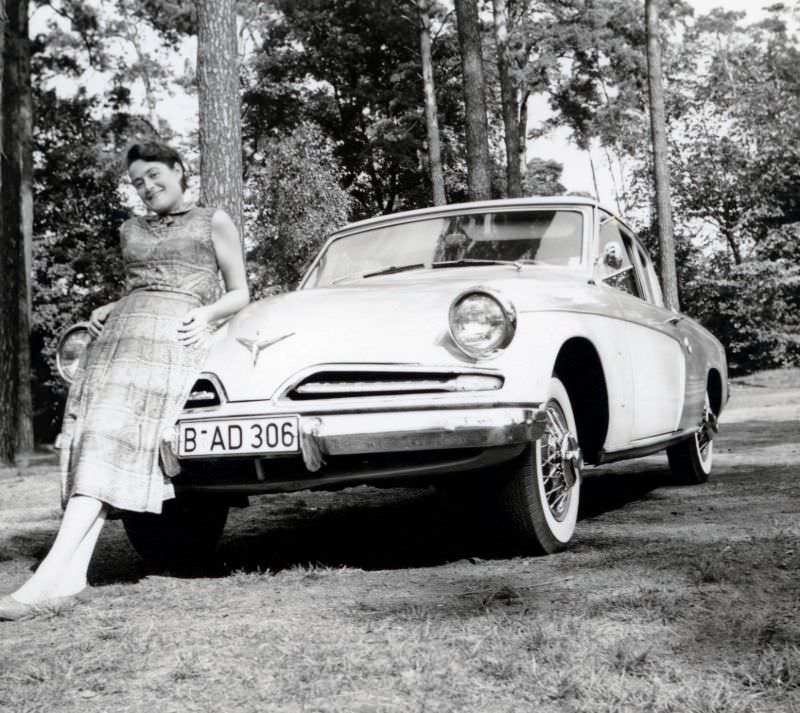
[690,461]
[186,531]
[540,499]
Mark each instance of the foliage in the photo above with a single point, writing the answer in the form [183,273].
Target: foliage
[353,68]
[754,310]
[737,142]
[76,259]
[293,200]
[543,178]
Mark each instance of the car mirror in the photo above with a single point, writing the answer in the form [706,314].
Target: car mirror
[612,255]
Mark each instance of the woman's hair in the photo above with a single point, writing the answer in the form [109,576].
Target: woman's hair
[155,151]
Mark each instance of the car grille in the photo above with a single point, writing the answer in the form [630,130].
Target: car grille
[349,384]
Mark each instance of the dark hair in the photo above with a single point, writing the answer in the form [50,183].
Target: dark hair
[155,151]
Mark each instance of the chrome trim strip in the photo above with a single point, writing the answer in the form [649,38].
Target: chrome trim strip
[325,388]
[292,382]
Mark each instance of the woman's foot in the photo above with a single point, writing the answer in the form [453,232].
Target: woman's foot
[12,609]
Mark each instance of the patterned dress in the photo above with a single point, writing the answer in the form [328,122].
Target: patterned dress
[134,378]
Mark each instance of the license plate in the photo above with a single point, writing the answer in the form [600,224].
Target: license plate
[241,436]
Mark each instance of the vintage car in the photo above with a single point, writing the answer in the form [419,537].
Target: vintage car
[502,345]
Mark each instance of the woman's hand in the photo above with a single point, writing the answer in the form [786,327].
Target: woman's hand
[196,326]
[98,318]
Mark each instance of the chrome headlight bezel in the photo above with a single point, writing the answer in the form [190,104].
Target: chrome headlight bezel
[509,322]
[63,371]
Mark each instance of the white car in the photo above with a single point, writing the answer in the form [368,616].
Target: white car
[519,340]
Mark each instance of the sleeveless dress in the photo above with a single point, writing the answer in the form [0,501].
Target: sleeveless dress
[134,378]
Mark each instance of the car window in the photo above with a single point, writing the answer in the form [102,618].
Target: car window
[615,266]
[650,278]
[545,236]
[542,236]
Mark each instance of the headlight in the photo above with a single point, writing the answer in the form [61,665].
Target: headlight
[72,344]
[482,322]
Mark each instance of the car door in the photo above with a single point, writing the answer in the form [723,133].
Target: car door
[692,341]
[651,333]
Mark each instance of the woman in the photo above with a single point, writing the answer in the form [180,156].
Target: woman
[138,371]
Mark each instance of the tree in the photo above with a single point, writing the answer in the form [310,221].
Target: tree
[509,100]
[431,111]
[736,156]
[477,133]
[658,131]
[9,334]
[294,200]
[18,198]
[543,178]
[353,68]
[220,107]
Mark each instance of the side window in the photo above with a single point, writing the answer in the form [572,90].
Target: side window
[616,268]
[649,275]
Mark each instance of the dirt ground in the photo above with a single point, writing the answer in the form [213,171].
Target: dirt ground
[684,599]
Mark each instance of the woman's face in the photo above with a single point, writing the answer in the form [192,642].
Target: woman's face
[158,185]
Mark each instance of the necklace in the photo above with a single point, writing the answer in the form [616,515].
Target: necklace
[168,218]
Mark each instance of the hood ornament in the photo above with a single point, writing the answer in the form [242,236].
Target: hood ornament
[256,346]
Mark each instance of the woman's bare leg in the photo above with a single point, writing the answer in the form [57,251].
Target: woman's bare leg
[63,571]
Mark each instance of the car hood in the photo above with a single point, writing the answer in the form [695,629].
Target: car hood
[393,319]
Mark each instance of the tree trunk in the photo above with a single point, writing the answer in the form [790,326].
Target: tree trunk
[9,332]
[509,99]
[523,137]
[477,132]
[219,108]
[431,112]
[658,133]
[19,199]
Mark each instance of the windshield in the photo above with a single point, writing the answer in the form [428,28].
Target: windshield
[551,237]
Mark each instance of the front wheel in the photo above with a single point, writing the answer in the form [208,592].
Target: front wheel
[690,460]
[186,531]
[540,499]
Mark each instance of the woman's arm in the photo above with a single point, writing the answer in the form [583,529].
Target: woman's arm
[99,316]
[231,264]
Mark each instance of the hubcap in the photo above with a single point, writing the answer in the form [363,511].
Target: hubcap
[562,462]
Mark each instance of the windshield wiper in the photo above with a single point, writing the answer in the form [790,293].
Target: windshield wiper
[385,271]
[393,269]
[476,261]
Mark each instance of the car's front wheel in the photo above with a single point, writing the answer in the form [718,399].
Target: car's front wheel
[186,531]
[540,499]
[690,460]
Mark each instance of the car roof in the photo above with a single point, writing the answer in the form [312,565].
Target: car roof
[451,208]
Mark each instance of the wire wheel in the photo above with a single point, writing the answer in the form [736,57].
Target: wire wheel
[540,499]
[559,448]
[691,460]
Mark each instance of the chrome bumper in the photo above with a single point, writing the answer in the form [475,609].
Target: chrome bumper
[348,434]
[330,435]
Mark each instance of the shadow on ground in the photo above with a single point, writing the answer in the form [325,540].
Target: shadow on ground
[374,529]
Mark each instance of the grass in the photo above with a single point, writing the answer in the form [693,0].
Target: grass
[671,600]
[770,379]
